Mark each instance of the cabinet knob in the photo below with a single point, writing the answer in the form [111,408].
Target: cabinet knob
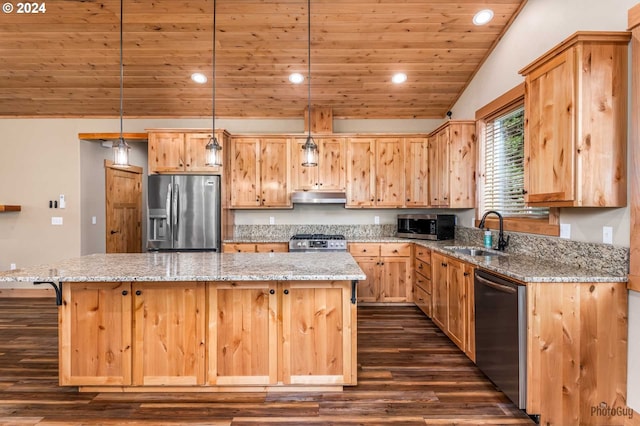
[444,264]
[466,274]
[408,199]
[286,292]
[420,267]
[113,232]
[125,292]
[395,251]
[372,200]
[138,292]
[272,291]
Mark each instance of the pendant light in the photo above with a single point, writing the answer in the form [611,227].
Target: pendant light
[213,148]
[309,148]
[120,147]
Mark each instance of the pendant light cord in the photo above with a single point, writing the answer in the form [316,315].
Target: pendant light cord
[213,83]
[121,70]
[309,61]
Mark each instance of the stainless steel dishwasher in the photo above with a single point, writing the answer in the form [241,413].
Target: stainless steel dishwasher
[501,334]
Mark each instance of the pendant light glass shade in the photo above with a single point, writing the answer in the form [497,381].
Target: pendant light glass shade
[120,147]
[121,152]
[310,153]
[213,154]
[310,148]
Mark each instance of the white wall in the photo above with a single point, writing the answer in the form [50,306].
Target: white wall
[541,25]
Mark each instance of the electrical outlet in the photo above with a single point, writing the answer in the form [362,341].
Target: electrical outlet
[272,220]
[56,221]
[565,230]
[12,266]
[376,220]
[607,234]
[94,220]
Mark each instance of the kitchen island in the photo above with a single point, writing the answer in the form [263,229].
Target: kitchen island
[204,322]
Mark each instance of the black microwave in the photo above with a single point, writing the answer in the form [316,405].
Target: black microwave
[426,226]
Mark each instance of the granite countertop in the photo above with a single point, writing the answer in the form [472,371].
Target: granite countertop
[514,265]
[200,266]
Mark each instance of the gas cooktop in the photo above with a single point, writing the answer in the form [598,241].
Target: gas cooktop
[317,242]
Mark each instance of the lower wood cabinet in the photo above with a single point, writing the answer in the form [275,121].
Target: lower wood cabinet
[132,334]
[388,267]
[186,334]
[422,285]
[255,247]
[452,303]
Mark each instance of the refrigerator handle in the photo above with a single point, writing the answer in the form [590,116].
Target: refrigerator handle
[176,211]
[167,205]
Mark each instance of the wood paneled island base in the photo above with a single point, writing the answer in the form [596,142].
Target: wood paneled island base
[207,322]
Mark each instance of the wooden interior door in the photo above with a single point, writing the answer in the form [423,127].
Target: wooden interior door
[123,208]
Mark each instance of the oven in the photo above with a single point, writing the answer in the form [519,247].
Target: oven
[313,243]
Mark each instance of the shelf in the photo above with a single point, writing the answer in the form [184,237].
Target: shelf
[105,137]
[7,208]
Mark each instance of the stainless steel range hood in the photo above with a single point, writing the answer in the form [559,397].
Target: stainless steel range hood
[318,197]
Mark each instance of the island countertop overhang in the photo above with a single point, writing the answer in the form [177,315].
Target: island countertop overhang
[194,266]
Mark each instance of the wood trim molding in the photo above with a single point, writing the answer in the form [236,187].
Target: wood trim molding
[529,226]
[634,152]
[103,137]
[502,103]
[133,169]
[27,292]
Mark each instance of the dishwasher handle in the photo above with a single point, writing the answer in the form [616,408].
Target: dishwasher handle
[496,286]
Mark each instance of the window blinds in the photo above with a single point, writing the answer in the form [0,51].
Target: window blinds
[504,167]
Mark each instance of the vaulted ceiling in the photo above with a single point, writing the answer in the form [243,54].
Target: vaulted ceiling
[64,62]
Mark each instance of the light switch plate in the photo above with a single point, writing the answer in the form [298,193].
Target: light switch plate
[607,234]
[56,220]
[565,230]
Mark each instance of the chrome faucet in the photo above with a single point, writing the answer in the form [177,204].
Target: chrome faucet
[502,243]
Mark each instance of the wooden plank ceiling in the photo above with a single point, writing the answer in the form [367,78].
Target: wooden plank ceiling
[65,62]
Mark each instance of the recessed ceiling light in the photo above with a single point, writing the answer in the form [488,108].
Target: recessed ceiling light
[483,17]
[199,78]
[399,78]
[296,78]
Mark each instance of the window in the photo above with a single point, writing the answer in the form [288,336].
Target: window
[501,164]
[503,188]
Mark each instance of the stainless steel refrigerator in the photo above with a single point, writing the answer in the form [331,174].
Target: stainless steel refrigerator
[183,212]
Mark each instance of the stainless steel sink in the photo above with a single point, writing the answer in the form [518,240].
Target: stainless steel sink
[474,251]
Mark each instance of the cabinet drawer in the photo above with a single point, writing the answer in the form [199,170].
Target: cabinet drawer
[272,247]
[423,268]
[238,248]
[393,249]
[364,249]
[423,253]
[422,299]
[423,282]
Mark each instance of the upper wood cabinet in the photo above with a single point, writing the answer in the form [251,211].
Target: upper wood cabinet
[417,172]
[179,151]
[375,172]
[576,123]
[330,174]
[260,172]
[452,165]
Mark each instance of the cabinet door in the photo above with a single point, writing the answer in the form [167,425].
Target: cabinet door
[95,334]
[245,172]
[421,298]
[434,167]
[195,152]
[395,279]
[462,165]
[369,288]
[303,178]
[550,131]
[390,172]
[274,171]
[169,345]
[166,152]
[242,333]
[439,295]
[417,172]
[318,321]
[361,172]
[456,302]
[440,195]
[332,164]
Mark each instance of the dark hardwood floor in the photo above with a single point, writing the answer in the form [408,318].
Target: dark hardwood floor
[409,374]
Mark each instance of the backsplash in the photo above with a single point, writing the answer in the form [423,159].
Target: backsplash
[284,232]
[604,257]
